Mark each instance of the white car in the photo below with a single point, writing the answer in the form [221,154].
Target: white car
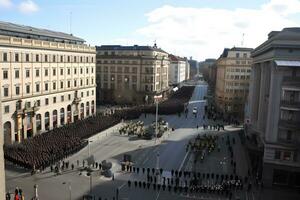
[195,110]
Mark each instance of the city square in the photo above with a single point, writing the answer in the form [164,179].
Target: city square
[153,100]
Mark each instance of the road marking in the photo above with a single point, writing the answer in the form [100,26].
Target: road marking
[122,186]
[158,194]
[181,165]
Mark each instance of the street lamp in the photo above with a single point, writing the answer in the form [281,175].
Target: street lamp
[156,98]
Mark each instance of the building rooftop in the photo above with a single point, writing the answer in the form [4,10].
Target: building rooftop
[286,38]
[15,30]
[176,58]
[226,50]
[128,48]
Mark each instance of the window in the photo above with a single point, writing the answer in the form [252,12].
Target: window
[46,86]
[75,59]
[46,58]
[81,82]
[54,86]
[87,81]
[46,101]
[27,57]
[61,71]
[53,58]
[69,84]
[277,154]
[5,57]
[81,70]
[37,73]
[5,92]
[75,83]
[237,55]
[37,87]
[17,90]
[6,109]
[62,98]
[69,71]
[46,72]
[27,89]
[54,72]
[92,69]
[80,58]
[61,59]
[61,84]
[37,59]
[68,58]
[245,55]
[75,71]
[5,74]
[54,99]
[87,70]
[69,97]
[289,135]
[81,94]
[92,92]
[17,73]
[27,73]
[287,155]
[38,103]
[87,93]
[17,57]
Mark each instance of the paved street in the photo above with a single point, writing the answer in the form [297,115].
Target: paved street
[110,145]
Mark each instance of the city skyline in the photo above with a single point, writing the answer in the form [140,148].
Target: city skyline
[178,27]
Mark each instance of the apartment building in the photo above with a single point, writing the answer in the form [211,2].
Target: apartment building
[177,70]
[233,69]
[47,80]
[131,74]
[274,107]
[2,171]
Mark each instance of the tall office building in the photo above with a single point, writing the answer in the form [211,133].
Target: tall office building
[47,80]
[274,106]
[233,70]
[131,74]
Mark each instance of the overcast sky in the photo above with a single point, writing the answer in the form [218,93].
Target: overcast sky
[197,28]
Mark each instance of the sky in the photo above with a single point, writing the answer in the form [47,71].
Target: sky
[197,28]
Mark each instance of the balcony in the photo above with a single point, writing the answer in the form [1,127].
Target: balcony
[289,124]
[290,104]
[76,100]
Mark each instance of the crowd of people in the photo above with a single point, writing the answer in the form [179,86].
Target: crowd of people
[186,181]
[50,147]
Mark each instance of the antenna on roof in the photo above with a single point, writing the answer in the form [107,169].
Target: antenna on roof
[71,22]
[242,43]
[155,45]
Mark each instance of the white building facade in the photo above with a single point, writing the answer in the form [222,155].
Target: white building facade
[177,70]
[47,80]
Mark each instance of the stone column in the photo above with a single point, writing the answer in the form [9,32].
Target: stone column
[274,105]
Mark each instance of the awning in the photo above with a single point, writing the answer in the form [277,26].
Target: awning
[287,63]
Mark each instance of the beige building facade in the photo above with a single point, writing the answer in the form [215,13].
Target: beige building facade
[131,74]
[47,80]
[233,70]
[274,108]
[2,171]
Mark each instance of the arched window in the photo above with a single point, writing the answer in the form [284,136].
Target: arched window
[7,132]
[87,109]
[69,114]
[93,107]
[54,117]
[38,119]
[47,121]
[82,110]
[62,116]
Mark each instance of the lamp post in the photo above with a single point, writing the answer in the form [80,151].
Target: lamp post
[156,98]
